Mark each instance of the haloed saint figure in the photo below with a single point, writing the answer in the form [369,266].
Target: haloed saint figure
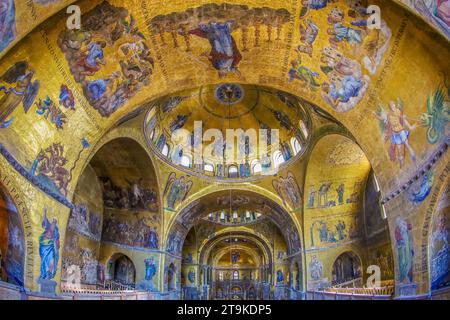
[405,250]
[49,248]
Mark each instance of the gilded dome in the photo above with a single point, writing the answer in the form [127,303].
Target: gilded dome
[228,125]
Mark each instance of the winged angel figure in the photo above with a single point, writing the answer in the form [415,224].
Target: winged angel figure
[395,127]
[21,89]
[288,189]
[177,190]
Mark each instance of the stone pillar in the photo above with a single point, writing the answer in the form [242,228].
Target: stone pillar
[205,293]
[266,291]
[205,275]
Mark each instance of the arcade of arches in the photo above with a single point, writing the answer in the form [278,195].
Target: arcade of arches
[102,196]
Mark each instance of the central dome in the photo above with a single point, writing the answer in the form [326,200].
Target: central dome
[245,116]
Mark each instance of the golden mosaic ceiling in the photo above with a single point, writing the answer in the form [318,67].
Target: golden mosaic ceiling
[62,93]
[147,50]
[243,115]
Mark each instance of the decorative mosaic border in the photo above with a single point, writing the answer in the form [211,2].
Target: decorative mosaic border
[424,168]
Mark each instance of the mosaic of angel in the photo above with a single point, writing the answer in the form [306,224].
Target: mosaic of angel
[395,127]
[19,89]
[176,190]
[288,190]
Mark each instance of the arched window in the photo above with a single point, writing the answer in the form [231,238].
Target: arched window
[221,276]
[302,126]
[296,147]
[277,158]
[161,142]
[186,161]
[235,216]
[233,171]
[209,167]
[176,155]
[383,211]
[151,123]
[376,184]
[155,135]
[236,275]
[151,114]
[256,166]
[165,150]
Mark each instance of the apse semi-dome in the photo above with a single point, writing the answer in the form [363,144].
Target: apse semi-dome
[247,117]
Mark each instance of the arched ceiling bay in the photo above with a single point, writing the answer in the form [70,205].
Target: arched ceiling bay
[230,201]
[126,175]
[214,247]
[334,192]
[191,216]
[21,17]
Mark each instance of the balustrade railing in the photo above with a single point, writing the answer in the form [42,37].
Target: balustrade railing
[108,286]
[385,290]
[382,291]
[354,283]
